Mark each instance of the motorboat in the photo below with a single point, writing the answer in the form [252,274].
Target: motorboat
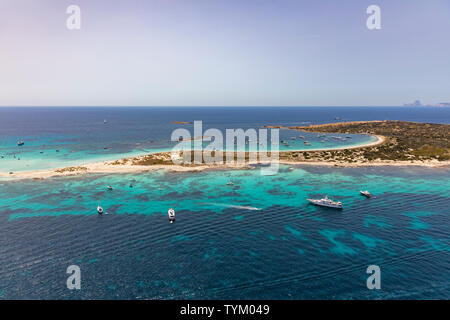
[99,209]
[366,194]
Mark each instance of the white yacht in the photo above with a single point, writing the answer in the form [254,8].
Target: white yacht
[171,213]
[325,202]
[99,209]
[366,193]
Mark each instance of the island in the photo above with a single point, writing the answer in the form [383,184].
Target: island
[399,143]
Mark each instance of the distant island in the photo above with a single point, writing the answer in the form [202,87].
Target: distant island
[398,143]
[417,103]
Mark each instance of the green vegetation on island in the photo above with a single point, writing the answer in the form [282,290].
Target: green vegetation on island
[404,141]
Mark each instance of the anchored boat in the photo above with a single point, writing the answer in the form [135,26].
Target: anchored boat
[325,202]
[99,209]
[171,213]
[366,194]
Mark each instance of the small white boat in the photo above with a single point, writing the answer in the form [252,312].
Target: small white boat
[366,194]
[325,202]
[110,188]
[105,122]
[20,143]
[171,213]
[99,210]
[291,168]
[230,184]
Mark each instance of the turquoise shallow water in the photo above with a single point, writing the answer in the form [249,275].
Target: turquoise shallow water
[221,246]
[50,152]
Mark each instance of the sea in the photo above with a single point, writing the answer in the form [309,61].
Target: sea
[257,238]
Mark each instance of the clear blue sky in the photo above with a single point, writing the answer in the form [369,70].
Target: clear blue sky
[227,52]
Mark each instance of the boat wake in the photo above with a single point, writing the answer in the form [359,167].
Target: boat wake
[233,206]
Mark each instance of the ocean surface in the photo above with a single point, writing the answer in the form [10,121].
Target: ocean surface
[255,239]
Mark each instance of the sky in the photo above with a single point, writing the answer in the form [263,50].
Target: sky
[224,53]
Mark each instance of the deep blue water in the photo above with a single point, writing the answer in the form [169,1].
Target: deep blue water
[141,123]
[218,248]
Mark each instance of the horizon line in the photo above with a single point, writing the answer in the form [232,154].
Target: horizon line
[212,106]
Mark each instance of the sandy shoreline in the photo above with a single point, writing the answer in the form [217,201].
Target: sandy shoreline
[107,167]
[380,140]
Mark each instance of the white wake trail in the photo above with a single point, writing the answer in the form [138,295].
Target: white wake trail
[233,206]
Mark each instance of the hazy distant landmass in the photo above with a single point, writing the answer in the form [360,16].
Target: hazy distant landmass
[417,103]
